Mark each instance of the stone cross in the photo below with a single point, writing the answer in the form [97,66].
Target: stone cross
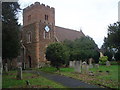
[19,73]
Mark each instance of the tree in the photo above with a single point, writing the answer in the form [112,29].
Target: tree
[109,54]
[114,35]
[87,48]
[83,49]
[117,56]
[56,53]
[111,43]
[10,30]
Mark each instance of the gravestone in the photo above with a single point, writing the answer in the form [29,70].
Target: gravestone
[70,63]
[85,67]
[96,65]
[90,63]
[19,73]
[81,65]
[77,66]
[6,67]
[73,64]
[107,63]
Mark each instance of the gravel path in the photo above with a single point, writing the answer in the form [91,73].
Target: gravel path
[66,81]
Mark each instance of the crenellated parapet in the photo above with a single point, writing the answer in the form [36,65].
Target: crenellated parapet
[37,4]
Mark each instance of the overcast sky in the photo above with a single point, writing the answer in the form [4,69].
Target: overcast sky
[92,16]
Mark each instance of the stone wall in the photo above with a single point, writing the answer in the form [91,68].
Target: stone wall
[35,50]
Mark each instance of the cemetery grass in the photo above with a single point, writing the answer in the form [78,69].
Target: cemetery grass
[36,81]
[104,76]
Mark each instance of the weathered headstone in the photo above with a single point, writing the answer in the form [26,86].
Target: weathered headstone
[77,66]
[85,67]
[96,65]
[19,73]
[81,65]
[6,67]
[73,63]
[90,63]
[70,63]
[107,63]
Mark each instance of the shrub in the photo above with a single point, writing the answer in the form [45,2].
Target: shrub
[56,53]
[103,59]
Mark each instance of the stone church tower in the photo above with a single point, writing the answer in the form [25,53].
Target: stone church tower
[37,33]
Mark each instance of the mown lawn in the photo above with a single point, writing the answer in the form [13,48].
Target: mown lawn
[36,81]
[102,78]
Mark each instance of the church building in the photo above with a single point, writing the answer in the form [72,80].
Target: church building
[39,31]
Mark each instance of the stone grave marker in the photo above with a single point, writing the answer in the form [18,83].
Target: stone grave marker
[85,67]
[6,67]
[96,65]
[19,73]
[73,63]
[90,63]
[70,63]
[77,66]
[107,63]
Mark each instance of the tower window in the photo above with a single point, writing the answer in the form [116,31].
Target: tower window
[46,17]
[29,37]
[46,35]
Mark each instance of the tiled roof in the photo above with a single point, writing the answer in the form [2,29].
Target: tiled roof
[69,34]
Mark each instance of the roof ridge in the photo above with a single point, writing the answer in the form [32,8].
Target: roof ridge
[67,29]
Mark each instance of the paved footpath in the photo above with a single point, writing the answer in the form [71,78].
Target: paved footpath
[66,81]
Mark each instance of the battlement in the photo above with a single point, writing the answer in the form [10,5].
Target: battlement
[36,4]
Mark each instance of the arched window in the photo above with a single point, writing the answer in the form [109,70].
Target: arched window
[46,35]
[29,37]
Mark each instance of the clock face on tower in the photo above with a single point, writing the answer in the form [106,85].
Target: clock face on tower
[47,29]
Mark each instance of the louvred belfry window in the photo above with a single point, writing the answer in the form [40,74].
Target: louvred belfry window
[46,17]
